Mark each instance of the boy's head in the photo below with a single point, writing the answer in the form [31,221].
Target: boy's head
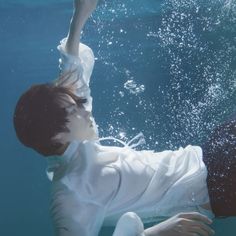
[45,112]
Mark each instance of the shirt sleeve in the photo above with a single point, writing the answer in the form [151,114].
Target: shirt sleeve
[75,71]
[79,208]
[129,224]
[72,217]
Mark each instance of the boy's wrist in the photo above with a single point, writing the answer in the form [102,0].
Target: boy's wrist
[152,231]
[146,232]
[85,8]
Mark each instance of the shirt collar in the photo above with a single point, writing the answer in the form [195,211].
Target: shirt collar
[70,150]
[56,161]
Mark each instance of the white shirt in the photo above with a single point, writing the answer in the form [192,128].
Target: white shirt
[95,184]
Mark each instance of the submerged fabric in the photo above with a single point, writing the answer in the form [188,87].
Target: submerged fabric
[93,184]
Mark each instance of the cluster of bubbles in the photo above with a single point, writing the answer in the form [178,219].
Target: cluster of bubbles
[198,38]
[195,42]
[132,86]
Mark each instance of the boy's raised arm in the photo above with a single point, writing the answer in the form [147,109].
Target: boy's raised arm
[82,10]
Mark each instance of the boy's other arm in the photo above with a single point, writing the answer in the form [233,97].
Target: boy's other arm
[183,224]
[82,10]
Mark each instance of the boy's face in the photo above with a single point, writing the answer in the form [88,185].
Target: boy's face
[81,124]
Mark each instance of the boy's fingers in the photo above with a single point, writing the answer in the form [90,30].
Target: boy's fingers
[200,232]
[202,229]
[195,216]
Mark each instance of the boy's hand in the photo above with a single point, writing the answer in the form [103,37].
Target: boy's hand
[183,224]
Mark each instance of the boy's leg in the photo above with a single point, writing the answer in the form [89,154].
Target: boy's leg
[219,155]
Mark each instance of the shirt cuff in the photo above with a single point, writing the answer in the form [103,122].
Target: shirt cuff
[129,224]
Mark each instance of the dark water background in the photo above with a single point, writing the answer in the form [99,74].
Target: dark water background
[166,68]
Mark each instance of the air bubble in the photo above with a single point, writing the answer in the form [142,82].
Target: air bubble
[133,87]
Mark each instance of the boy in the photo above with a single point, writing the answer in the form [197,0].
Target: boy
[93,183]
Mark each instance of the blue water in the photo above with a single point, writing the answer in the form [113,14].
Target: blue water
[166,68]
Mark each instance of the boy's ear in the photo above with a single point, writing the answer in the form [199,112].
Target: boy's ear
[62,137]
[57,137]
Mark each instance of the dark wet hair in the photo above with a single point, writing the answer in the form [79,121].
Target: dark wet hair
[39,116]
